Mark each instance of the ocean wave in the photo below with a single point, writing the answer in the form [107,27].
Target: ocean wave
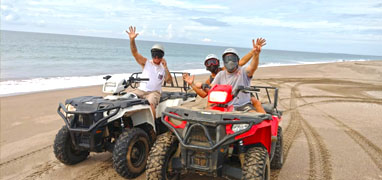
[16,87]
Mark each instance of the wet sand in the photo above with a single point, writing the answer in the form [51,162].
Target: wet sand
[332,125]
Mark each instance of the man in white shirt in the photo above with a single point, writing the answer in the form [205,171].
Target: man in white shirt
[156,70]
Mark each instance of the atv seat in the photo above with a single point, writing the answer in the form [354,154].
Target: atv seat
[269,108]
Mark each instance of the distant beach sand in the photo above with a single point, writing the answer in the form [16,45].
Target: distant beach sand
[332,126]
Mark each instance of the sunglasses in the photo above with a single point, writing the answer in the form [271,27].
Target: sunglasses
[230,57]
[212,62]
[157,53]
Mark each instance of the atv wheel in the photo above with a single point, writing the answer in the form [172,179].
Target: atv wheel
[256,164]
[64,149]
[159,162]
[278,158]
[130,153]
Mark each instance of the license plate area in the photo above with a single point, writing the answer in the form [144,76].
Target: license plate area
[200,160]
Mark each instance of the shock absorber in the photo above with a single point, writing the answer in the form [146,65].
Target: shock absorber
[241,150]
[122,125]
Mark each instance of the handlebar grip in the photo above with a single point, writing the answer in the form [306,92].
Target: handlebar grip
[142,79]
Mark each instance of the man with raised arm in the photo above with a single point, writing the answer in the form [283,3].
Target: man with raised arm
[156,70]
[212,64]
[235,75]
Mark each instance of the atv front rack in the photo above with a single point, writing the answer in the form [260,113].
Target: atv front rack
[175,83]
[204,120]
[100,122]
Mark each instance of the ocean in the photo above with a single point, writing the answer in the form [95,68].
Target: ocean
[32,62]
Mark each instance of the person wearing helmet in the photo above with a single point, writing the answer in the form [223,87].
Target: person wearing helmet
[213,65]
[236,75]
[155,70]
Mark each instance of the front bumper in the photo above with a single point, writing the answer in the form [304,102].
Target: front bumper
[86,136]
[204,141]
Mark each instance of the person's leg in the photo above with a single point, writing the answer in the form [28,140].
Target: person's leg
[257,104]
[137,92]
[153,98]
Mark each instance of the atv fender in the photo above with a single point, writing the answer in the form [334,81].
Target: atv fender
[139,114]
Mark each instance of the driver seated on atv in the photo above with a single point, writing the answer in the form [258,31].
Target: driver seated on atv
[156,70]
[236,75]
[213,65]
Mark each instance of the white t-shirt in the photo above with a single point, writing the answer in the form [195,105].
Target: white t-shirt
[156,75]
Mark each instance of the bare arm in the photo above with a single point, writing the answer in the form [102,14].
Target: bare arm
[168,77]
[190,81]
[260,42]
[246,58]
[138,57]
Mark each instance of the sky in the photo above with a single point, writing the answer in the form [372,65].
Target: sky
[336,26]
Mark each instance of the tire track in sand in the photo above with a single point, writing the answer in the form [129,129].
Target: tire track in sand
[372,150]
[42,169]
[319,156]
[290,133]
[100,171]
[25,155]
[292,129]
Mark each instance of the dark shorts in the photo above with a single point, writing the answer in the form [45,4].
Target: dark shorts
[245,108]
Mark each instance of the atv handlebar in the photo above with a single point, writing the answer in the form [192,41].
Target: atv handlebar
[134,80]
[243,89]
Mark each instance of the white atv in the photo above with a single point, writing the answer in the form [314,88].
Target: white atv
[120,123]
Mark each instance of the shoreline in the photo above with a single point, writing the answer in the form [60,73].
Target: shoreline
[196,75]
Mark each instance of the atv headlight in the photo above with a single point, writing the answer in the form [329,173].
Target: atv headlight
[110,84]
[239,127]
[107,113]
[70,107]
[218,97]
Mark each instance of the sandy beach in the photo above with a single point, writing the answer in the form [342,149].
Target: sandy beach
[332,124]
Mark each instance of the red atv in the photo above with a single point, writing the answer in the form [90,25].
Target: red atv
[219,141]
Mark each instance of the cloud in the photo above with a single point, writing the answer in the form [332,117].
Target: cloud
[210,22]
[170,31]
[41,23]
[94,31]
[314,25]
[11,17]
[200,28]
[191,6]
[379,5]
[207,40]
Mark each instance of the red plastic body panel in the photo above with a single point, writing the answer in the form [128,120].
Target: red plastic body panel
[222,109]
[222,88]
[182,125]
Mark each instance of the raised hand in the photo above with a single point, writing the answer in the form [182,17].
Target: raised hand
[188,79]
[260,42]
[164,63]
[131,32]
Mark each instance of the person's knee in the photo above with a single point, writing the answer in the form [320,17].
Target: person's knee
[255,101]
[153,99]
